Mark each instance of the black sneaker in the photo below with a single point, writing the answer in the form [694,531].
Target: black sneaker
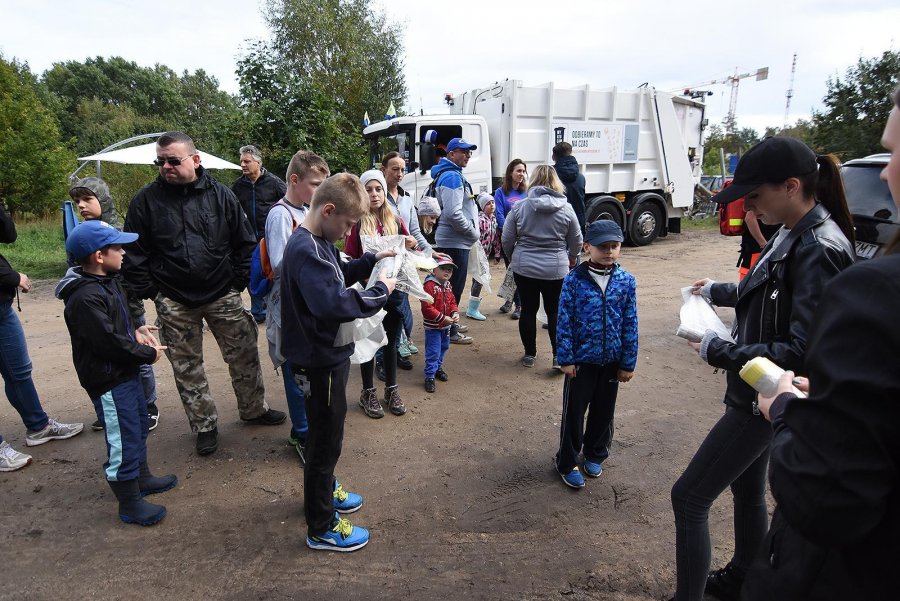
[207,442]
[271,417]
[153,414]
[441,375]
[403,362]
[724,584]
[429,385]
[379,369]
[97,426]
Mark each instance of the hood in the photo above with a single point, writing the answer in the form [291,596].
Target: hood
[567,169]
[444,164]
[108,212]
[546,200]
[69,283]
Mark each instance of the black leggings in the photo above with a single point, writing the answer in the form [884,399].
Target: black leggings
[735,453]
[531,290]
[392,323]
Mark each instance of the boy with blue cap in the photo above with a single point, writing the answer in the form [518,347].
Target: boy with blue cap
[108,351]
[596,347]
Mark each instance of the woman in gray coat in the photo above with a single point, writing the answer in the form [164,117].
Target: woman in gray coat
[542,237]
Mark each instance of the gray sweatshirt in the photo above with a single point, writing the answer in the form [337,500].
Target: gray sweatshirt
[541,234]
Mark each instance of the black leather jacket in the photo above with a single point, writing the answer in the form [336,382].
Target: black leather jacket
[775,303]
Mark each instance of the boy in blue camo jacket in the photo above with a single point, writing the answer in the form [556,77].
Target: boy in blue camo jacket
[596,347]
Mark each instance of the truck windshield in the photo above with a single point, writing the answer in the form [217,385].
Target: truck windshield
[399,142]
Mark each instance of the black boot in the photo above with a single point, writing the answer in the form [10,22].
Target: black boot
[724,584]
[133,509]
[151,485]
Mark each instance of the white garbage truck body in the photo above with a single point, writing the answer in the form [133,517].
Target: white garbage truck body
[640,151]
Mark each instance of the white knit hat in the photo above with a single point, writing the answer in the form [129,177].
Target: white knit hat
[371,174]
[429,207]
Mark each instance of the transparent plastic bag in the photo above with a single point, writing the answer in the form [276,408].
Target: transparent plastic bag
[401,266]
[698,316]
[479,267]
[508,287]
[359,329]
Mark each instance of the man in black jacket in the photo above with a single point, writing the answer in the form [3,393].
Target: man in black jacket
[193,260]
[567,169]
[257,190]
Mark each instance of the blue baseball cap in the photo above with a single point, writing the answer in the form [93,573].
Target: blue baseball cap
[459,144]
[91,236]
[603,230]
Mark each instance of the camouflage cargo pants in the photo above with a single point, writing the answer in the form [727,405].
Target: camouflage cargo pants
[181,329]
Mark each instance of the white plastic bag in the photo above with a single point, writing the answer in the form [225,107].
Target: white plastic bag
[359,329]
[698,316]
[364,350]
[508,287]
[479,267]
[402,266]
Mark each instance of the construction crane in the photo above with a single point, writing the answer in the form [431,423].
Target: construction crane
[733,80]
[790,93]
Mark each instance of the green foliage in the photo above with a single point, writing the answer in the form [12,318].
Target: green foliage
[328,63]
[803,130]
[732,144]
[857,107]
[35,161]
[39,250]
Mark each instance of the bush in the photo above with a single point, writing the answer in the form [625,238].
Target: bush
[39,251]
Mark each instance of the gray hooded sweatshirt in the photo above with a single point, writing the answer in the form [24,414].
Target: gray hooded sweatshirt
[541,234]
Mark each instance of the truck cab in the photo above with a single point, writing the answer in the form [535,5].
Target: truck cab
[407,135]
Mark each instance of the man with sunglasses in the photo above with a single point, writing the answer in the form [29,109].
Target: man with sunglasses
[193,259]
[457,229]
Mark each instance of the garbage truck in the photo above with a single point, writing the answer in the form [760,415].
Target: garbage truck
[640,150]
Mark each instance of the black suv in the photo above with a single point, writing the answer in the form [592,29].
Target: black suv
[874,212]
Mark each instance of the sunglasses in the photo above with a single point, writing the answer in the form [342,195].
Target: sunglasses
[159,162]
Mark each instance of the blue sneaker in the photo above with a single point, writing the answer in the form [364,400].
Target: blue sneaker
[342,537]
[573,478]
[346,502]
[593,469]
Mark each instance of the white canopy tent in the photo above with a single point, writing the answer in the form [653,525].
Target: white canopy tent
[145,154]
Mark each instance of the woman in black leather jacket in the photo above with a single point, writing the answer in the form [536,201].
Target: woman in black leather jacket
[782,181]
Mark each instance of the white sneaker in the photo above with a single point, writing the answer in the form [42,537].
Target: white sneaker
[12,460]
[52,431]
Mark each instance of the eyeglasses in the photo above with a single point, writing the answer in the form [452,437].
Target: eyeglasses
[468,153]
[159,162]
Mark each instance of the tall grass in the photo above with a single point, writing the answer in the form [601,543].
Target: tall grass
[39,251]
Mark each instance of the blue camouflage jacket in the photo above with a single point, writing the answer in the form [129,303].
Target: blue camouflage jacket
[596,327]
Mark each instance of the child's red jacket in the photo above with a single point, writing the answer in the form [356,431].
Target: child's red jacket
[444,304]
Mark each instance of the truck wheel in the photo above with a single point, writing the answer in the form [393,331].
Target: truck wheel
[646,224]
[606,208]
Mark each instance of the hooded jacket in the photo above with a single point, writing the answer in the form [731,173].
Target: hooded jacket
[444,304]
[572,178]
[541,234]
[9,277]
[195,241]
[257,197]
[458,224]
[104,349]
[100,189]
[774,305]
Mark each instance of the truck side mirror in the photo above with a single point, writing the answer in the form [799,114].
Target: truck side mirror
[428,155]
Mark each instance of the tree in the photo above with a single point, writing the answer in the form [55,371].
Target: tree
[803,130]
[35,160]
[327,64]
[857,107]
[732,144]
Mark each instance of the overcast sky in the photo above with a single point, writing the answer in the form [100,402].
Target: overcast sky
[457,46]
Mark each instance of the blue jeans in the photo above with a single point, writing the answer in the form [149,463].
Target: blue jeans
[436,344]
[15,367]
[296,403]
[735,453]
[460,257]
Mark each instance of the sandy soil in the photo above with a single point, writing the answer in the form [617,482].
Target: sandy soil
[460,494]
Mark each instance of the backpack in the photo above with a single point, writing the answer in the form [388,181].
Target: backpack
[731,216]
[261,273]
[431,190]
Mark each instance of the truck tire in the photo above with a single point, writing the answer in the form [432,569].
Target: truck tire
[645,224]
[605,207]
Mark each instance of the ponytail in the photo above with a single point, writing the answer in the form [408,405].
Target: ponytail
[828,188]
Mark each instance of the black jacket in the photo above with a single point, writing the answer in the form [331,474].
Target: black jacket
[103,346]
[774,304]
[195,241]
[573,180]
[258,197]
[835,466]
[9,277]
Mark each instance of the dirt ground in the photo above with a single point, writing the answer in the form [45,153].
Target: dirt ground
[461,497]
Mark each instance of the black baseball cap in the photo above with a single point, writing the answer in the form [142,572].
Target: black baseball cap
[770,162]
